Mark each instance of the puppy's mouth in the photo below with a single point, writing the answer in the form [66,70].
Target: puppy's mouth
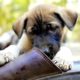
[49,51]
[48,45]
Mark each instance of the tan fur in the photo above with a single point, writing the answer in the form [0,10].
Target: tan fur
[25,43]
[47,13]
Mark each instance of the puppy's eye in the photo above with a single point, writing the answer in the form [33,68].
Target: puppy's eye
[54,28]
[49,26]
[34,29]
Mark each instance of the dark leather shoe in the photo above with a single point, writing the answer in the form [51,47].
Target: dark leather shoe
[30,65]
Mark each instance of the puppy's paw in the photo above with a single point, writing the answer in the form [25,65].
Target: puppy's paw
[64,59]
[8,54]
[62,64]
[2,59]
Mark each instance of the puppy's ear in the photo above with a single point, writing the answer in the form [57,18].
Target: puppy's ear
[19,26]
[69,17]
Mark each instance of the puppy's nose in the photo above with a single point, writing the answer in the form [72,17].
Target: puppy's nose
[45,50]
[48,52]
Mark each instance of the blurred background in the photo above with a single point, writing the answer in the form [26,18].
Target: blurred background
[10,10]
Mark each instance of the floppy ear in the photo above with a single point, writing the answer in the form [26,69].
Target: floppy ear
[69,17]
[20,25]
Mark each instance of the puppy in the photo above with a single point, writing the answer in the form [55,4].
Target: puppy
[40,27]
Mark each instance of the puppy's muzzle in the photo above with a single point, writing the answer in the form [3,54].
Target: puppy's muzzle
[50,50]
[49,43]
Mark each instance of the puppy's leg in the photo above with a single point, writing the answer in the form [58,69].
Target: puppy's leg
[13,51]
[7,39]
[63,59]
[9,54]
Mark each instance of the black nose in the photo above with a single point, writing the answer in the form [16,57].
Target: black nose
[45,49]
[49,54]
[48,50]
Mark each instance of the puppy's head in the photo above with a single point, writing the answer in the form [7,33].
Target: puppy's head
[44,24]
